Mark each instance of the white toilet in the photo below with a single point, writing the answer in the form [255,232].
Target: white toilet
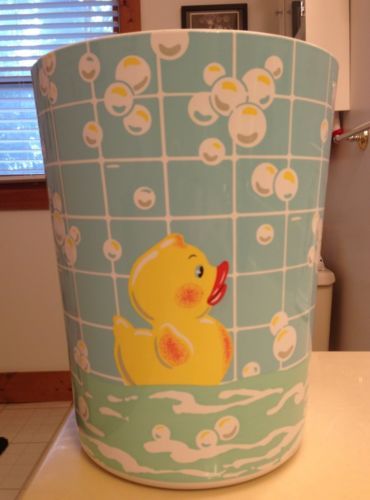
[321,330]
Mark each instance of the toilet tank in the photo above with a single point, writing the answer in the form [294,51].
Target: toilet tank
[321,330]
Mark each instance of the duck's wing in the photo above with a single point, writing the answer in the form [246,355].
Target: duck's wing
[173,348]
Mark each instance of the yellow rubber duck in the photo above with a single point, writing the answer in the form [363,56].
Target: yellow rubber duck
[173,286]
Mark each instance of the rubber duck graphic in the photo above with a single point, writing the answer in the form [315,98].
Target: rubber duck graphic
[173,286]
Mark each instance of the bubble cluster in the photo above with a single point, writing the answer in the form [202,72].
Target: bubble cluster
[46,86]
[133,75]
[267,180]
[241,101]
[67,241]
[81,356]
[285,340]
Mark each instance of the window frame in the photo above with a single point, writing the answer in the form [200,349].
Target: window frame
[30,192]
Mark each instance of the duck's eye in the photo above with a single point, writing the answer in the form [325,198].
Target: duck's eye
[199,271]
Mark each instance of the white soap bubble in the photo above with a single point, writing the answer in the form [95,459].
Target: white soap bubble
[118,99]
[49,63]
[200,109]
[70,250]
[144,198]
[275,66]
[324,130]
[43,82]
[261,87]
[212,151]
[80,354]
[316,224]
[247,125]
[212,72]
[52,93]
[92,134]
[56,201]
[278,321]
[227,94]
[83,409]
[251,369]
[227,427]
[206,438]
[265,234]
[82,348]
[112,250]
[263,179]
[89,67]
[139,121]
[170,45]
[285,343]
[286,184]
[161,432]
[74,232]
[135,71]
[311,256]
[59,227]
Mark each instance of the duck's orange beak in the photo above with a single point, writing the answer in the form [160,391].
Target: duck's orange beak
[219,287]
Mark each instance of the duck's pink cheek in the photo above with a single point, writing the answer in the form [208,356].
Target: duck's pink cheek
[189,295]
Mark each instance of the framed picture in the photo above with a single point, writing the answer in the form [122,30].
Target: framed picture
[233,16]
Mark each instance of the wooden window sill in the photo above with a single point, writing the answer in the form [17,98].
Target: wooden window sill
[24,195]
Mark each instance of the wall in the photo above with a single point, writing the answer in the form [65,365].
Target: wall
[32,334]
[161,14]
[346,242]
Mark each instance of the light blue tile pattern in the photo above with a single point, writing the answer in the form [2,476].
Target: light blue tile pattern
[216,206]
[224,138]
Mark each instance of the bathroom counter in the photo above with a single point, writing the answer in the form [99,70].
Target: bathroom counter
[332,462]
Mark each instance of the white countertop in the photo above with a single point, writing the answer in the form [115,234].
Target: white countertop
[333,462]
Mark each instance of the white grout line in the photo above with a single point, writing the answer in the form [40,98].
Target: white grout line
[240,215]
[104,190]
[231,275]
[114,163]
[277,97]
[234,232]
[164,157]
[286,223]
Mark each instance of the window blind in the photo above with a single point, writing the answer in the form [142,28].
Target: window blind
[29,29]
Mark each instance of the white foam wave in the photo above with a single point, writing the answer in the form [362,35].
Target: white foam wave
[290,434]
[297,391]
[114,399]
[78,380]
[131,398]
[181,453]
[94,429]
[130,465]
[188,404]
[104,410]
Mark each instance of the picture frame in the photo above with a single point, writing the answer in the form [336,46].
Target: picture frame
[221,16]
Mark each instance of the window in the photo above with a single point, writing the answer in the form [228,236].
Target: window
[29,29]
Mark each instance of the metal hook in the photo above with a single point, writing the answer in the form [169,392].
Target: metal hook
[359,134]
